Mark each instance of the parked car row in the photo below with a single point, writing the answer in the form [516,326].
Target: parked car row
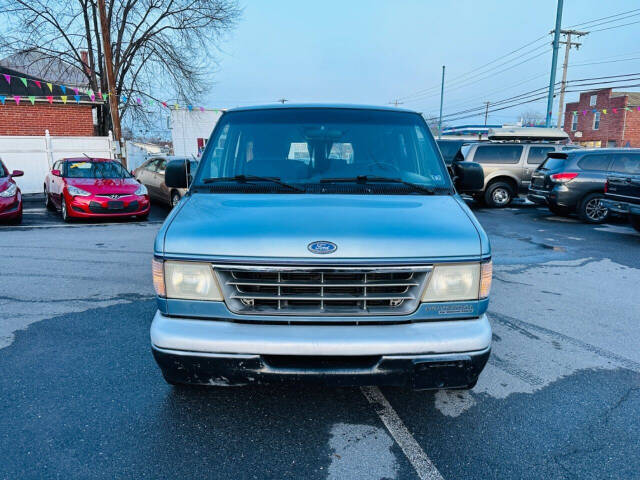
[565,178]
[95,188]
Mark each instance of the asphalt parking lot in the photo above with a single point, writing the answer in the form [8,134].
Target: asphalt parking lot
[81,396]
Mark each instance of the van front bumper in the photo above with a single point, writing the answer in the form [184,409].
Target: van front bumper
[421,355]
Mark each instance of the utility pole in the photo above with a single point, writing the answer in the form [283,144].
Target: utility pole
[554,63]
[486,112]
[563,85]
[441,102]
[111,87]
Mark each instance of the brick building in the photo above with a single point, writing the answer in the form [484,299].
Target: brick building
[73,118]
[604,119]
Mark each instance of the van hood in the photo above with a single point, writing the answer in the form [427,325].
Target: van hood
[283,226]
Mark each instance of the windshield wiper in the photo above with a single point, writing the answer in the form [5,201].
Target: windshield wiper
[252,178]
[375,178]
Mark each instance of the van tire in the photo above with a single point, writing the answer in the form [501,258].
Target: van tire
[498,194]
[635,221]
[590,212]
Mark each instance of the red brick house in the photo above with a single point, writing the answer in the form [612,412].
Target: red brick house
[73,118]
[604,119]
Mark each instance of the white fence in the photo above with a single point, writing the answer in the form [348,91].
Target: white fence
[35,154]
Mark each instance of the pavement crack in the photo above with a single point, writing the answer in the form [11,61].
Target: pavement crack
[523,326]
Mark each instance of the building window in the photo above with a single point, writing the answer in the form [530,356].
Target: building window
[592,100]
[596,121]
[574,123]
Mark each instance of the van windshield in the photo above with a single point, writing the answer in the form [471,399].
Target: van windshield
[327,147]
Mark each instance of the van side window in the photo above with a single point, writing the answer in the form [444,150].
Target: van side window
[498,154]
[626,163]
[594,163]
[538,154]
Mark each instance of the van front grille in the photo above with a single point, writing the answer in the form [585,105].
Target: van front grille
[331,291]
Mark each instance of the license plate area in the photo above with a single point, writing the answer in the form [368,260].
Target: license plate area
[115,205]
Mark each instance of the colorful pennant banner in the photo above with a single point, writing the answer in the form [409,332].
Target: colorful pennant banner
[124,99]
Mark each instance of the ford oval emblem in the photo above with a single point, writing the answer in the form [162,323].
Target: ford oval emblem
[322,247]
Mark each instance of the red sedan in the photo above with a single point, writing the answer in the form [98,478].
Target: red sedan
[10,196]
[94,188]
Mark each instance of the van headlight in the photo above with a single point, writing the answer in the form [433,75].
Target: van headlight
[185,280]
[457,282]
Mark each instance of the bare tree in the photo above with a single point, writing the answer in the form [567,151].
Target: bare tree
[531,117]
[160,47]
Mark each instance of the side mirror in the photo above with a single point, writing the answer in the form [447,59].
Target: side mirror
[56,173]
[17,173]
[468,176]
[175,175]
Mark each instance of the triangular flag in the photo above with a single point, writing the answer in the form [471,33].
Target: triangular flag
[151,102]
[24,81]
[2,97]
[627,109]
[594,111]
[37,82]
[124,99]
[17,99]
[176,106]
[202,109]
[64,98]
[32,99]
[50,99]
[164,104]
[75,90]
[93,97]
[105,95]
[189,107]
[639,108]
[7,77]
[584,112]
[63,88]
[50,86]
[77,97]
[604,110]
[615,110]
[99,94]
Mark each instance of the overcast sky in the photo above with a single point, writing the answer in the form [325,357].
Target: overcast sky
[373,52]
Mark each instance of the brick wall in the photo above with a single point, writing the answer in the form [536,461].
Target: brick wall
[59,119]
[621,127]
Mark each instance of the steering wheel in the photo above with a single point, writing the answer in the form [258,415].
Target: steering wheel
[384,166]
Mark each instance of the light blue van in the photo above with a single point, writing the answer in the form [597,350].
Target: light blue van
[324,243]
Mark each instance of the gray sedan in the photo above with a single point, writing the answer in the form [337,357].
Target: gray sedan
[151,175]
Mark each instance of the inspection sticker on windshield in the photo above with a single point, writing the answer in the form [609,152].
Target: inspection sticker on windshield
[80,165]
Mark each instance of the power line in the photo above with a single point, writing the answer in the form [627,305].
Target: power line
[536,92]
[459,86]
[603,18]
[460,77]
[615,26]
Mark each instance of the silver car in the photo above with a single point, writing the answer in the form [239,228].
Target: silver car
[152,172]
[326,244]
[507,168]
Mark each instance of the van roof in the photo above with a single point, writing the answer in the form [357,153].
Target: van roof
[285,106]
